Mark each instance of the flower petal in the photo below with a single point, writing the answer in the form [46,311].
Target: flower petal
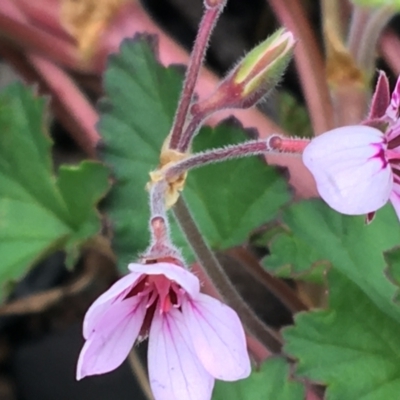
[187,280]
[395,199]
[114,294]
[393,131]
[393,109]
[350,170]
[218,337]
[175,372]
[110,342]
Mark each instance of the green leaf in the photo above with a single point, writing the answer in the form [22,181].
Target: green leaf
[271,382]
[351,246]
[291,256]
[392,258]
[38,213]
[228,200]
[353,347]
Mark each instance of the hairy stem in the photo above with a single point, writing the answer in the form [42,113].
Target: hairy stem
[207,24]
[161,245]
[246,149]
[190,131]
[157,199]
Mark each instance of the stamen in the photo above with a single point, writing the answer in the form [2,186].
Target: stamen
[166,305]
[152,298]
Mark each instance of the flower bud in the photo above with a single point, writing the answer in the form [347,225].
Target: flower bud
[255,75]
[261,69]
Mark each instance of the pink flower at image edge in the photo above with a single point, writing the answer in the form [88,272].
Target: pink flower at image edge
[193,338]
[357,168]
[354,170]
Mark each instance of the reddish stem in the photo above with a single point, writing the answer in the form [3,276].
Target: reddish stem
[309,63]
[207,24]
[246,149]
[191,129]
[157,199]
[19,63]
[77,112]
[159,229]
[45,14]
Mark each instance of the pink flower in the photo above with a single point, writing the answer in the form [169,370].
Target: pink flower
[193,338]
[357,168]
[350,168]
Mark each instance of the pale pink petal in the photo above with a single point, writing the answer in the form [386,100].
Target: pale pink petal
[175,372]
[218,337]
[112,338]
[350,169]
[395,199]
[183,277]
[114,294]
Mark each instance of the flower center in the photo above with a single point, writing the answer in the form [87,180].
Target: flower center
[382,154]
[392,156]
[166,291]
[156,290]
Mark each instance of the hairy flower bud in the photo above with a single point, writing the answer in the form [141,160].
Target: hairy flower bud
[261,69]
[254,76]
